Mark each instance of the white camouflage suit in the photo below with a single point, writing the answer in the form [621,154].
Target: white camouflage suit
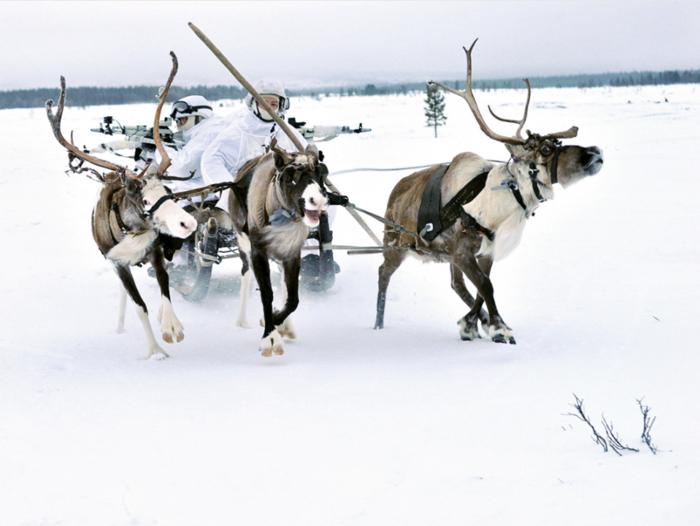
[189,157]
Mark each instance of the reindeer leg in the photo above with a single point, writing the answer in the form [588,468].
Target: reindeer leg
[170,326]
[290,293]
[392,261]
[485,264]
[127,279]
[468,325]
[498,330]
[122,308]
[271,340]
[247,277]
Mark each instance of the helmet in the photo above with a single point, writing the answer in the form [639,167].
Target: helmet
[270,88]
[192,106]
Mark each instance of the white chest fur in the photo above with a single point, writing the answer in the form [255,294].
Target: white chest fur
[285,241]
[508,237]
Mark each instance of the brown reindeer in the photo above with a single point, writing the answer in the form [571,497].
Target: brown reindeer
[273,205]
[135,220]
[487,206]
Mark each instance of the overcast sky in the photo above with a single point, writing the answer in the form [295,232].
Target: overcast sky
[312,43]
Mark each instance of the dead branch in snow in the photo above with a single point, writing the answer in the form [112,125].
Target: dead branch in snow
[581,415]
[613,440]
[646,433]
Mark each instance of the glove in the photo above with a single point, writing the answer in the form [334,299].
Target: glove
[337,199]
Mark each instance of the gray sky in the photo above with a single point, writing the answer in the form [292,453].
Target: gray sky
[311,43]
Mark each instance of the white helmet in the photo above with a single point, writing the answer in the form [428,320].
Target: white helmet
[270,88]
[192,106]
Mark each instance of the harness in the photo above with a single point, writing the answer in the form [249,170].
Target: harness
[433,218]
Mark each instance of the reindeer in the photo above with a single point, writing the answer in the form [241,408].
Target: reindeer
[492,202]
[135,220]
[273,205]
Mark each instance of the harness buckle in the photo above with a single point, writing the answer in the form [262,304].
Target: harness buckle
[507,184]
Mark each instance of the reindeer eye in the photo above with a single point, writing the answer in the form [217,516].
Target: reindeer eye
[546,150]
[146,202]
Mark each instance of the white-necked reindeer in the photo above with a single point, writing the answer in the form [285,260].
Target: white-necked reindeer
[475,233]
[273,209]
[134,221]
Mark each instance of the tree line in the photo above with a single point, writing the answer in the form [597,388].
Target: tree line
[94,96]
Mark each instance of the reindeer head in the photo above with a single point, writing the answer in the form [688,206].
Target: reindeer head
[300,183]
[153,201]
[149,198]
[536,154]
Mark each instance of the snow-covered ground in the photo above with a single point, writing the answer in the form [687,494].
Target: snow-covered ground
[352,426]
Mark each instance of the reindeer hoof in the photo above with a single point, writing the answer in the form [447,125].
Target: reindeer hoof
[156,354]
[468,331]
[167,337]
[271,344]
[287,330]
[501,335]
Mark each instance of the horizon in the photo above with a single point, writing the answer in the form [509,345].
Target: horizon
[349,84]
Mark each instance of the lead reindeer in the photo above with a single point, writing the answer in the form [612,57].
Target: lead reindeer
[487,207]
[135,221]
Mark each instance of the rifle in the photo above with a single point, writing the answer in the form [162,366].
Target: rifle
[325,132]
[139,138]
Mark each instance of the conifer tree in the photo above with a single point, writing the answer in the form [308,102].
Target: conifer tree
[435,107]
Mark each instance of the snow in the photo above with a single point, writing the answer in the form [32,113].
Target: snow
[352,426]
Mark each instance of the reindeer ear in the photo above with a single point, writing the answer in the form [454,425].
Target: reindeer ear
[134,186]
[322,171]
[280,159]
[312,154]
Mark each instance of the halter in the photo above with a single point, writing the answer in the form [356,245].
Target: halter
[533,172]
[147,214]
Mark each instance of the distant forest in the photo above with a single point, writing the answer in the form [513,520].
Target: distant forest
[36,98]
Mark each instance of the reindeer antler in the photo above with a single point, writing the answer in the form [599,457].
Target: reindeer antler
[56,127]
[468,95]
[521,122]
[165,162]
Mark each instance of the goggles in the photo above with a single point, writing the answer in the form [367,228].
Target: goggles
[183,108]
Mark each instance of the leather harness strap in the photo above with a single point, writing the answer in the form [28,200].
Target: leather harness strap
[433,218]
[429,224]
